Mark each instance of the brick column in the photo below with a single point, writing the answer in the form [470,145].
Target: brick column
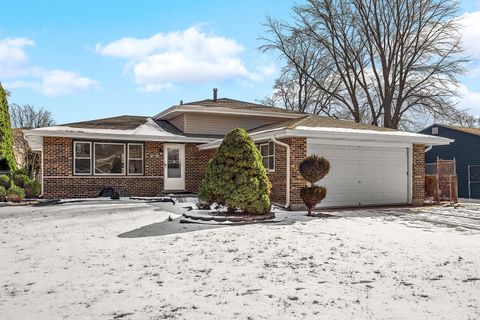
[418,174]
[298,152]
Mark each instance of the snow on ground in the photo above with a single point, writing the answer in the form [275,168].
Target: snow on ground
[123,260]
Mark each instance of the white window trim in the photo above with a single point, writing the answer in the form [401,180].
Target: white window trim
[84,158]
[269,155]
[142,159]
[124,160]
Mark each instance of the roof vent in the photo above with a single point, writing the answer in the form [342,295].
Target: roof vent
[435,130]
[215,91]
[181,102]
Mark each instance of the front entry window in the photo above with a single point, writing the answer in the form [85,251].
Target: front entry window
[173,163]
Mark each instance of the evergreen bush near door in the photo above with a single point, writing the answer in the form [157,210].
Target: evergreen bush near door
[236,177]
[313,169]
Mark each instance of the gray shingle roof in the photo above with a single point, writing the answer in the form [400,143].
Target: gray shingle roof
[124,122]
[319,121]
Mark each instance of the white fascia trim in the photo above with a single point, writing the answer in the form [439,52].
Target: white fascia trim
[185,108]
[367,135]
[29,135]
[337,134]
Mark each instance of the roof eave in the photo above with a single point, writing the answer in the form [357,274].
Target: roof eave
[32,136]
[366,135]
[353,135]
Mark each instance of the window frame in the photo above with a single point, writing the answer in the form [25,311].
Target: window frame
[142,159]
[268,156]
[82,158]
[124,159]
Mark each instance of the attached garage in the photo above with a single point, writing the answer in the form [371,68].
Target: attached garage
[363,175]
[369,166]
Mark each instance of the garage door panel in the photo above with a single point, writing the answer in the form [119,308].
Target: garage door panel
[363,175]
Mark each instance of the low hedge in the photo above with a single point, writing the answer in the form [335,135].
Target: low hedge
[20,180]
[32,188]
[15,194]
[3,193]
[5,181]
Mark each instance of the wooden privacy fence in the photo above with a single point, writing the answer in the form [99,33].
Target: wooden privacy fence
[441,183]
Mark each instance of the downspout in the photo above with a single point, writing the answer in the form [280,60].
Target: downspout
[287,196]
[41,172]
[428,148]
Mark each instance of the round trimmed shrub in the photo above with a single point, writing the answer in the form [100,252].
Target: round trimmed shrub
[313,168]
[5,181]
[15,194]
[32,188]
[20,180]
[3,193]
[236,177]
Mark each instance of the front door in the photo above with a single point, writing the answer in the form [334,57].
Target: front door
[174,164]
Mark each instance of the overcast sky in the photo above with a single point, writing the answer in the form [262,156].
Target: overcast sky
[93,59]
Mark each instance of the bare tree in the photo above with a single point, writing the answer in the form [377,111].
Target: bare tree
[27,116]
[295,88]
[388,58]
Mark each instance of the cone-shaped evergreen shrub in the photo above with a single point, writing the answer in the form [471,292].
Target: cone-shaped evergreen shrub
[7,160]
[313,168]
[236,177]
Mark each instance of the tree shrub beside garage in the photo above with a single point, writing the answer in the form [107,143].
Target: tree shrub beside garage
[236,177]
[313,169]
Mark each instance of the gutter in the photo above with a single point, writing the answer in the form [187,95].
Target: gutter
[287,196]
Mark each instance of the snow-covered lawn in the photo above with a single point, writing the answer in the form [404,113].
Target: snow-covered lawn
[118,260]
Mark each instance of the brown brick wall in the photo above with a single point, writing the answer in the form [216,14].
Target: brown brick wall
[298,147]
[196,162]
[278,177]
[418,174]
[59,181]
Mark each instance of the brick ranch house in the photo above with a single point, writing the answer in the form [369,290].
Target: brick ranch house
[148,156]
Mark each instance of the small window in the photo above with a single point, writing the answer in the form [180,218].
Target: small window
[109,158]
[82,162]
[267,150]
[135,159]
[434,130]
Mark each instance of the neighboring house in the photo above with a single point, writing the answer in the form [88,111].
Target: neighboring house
[466,152]
[147,156]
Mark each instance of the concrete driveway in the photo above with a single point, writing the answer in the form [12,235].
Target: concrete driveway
[103,259]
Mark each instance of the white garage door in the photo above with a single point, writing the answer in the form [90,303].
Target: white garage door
[361,176]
